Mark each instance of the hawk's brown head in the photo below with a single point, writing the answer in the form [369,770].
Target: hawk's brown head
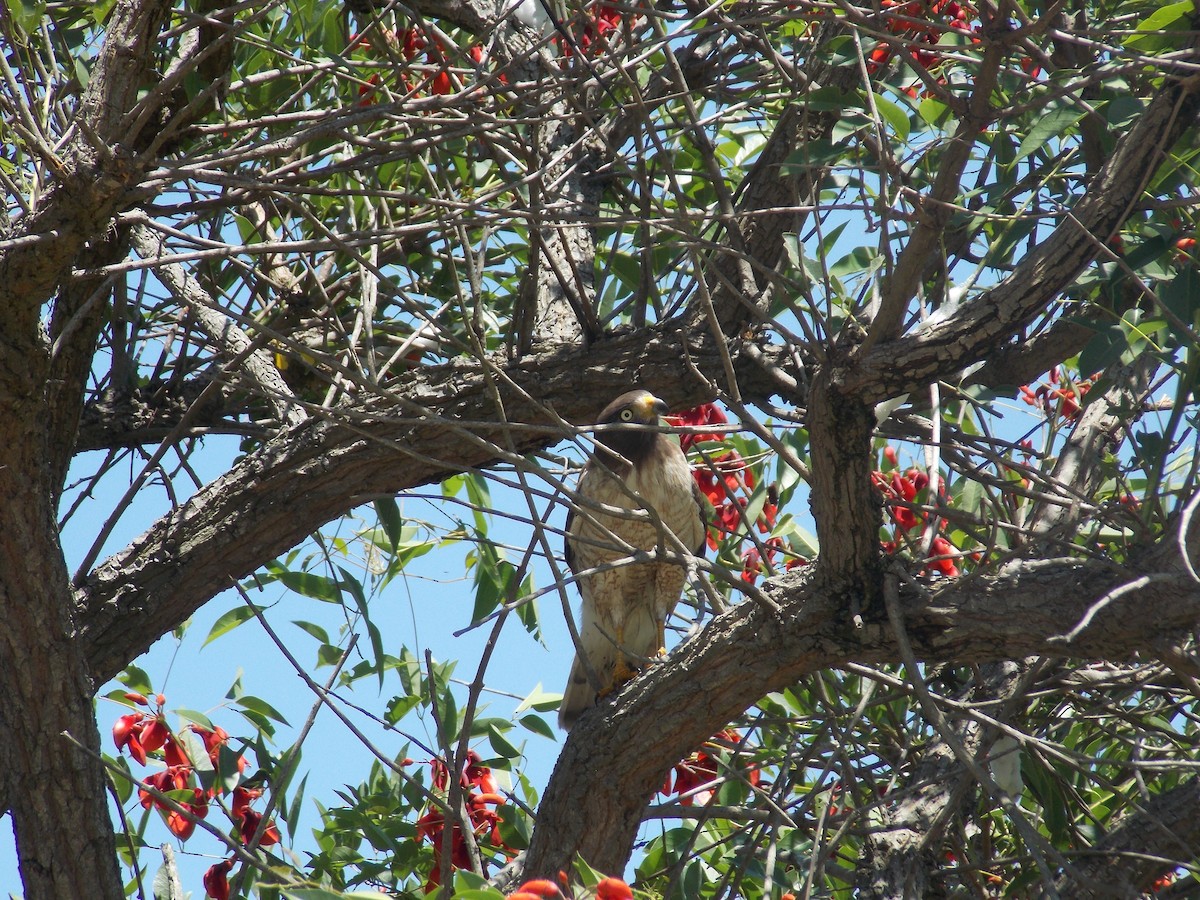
[637,410]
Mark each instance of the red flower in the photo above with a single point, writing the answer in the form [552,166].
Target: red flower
[942,547]
[442,83]
[705,414]
[539,887]
[213,742]
[174,754]
[706,480]
[751,565]
[613,889]
[413,43]
[216,880]
[248,820]
[478,776]
[172,778]
[701,768]
[481,790]
[123,730]
[140,734]
[242,798]
[248,826]
[182,825]
[604,19]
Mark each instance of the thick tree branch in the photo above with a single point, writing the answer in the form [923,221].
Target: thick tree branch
[943,347]
[615,758]
[1126,861]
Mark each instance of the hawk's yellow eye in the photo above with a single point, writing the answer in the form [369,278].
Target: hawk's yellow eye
[627,415]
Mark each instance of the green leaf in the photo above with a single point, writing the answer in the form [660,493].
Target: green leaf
[539,700]
[1107,347]
[27,14]
[538,725]
[1053,124]
[136,680]
[328,655]
[262,707]
[468,881]
[501,744]
[100,10]
[305,583]
[389,517]
[514,827]
[229,621]
[1160,20]
[933,111]
[400,707]
[197,718]
[315,630]
[894,114]
[193,746]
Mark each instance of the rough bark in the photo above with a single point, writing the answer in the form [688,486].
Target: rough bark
[844,502]
[44,675]
[50,770]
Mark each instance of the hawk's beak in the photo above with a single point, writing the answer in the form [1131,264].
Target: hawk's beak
[649,408]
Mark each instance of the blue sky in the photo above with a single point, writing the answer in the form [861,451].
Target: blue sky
[423,608]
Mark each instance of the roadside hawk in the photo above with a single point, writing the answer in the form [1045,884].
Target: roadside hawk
[625,608]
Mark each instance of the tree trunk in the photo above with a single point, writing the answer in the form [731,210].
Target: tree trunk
[55,790]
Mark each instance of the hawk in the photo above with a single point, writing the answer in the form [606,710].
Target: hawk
[625,608]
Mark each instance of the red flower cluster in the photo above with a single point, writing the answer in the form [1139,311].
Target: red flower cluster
[899,491]
[914,21]
[143,734]
[721,483]
[727,483]
[753,561]
[700,768]
[601,21]
[480,787]
[705,414]
[1061,397]
[216,879]
[411,43]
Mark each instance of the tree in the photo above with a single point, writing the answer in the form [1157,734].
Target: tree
[936,261]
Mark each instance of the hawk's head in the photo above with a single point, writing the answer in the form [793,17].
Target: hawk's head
[636,409]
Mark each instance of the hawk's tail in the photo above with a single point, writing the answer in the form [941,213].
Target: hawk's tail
[578,696]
